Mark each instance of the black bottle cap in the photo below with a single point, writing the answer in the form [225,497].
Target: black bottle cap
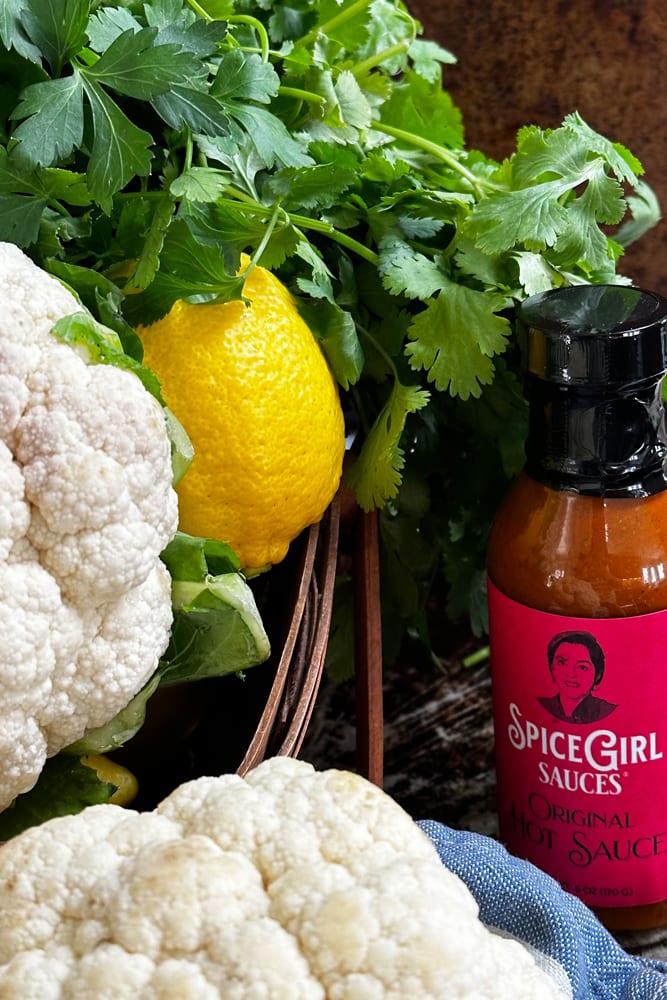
[595,335]
[596,357]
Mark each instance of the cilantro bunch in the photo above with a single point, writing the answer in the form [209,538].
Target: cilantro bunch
[145,145]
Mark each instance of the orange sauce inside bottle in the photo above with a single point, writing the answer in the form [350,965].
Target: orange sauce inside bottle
[584,556]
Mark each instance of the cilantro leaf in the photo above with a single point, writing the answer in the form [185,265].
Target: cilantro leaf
[532,216]
[645,213]
[310,187]
[536,274]
[405,271]
[354,109]
[492,271]
[199,184]
[624,164]
[377,29]
[428,57]
[375,475]
[581,241]
[544,209]
[424,109]
[455,337]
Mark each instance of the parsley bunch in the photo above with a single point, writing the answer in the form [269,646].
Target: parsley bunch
[146,143]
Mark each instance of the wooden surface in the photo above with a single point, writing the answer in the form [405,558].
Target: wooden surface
[438,761]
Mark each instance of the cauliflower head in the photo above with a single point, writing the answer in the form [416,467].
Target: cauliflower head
[86,506]
[289,884]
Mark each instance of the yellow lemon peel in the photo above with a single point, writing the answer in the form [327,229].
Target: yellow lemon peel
[255,394]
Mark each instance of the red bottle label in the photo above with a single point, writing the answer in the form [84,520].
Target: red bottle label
[581,748]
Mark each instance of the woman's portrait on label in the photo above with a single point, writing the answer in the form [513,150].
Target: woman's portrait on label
[576,664]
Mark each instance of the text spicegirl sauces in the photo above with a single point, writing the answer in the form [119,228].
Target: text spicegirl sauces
[577,567]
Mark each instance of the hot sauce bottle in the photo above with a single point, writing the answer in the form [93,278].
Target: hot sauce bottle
[577,586]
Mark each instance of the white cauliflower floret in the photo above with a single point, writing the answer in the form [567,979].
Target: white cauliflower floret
[290,884]
[86,507]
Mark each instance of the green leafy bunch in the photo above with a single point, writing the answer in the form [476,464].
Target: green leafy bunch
[146,145]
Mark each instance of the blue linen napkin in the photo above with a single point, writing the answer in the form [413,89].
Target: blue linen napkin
[518,899]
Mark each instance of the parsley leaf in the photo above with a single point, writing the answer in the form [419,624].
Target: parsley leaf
[188,271]
[20,218]
[190,106]
[120,150]
[24,195]
[57,28]
[107,24]
[54,120]
[245,78]
[134,66]
[13,32]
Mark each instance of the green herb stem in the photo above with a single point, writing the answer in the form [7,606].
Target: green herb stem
[304,222]
[479,656]
[258,27]
[447,156]
[362,68]
[345,15]
[58,207]
[198,9]
[188,151]
[301,95]
[270,226]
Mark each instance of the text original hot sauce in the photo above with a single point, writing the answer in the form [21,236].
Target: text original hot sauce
[577,567]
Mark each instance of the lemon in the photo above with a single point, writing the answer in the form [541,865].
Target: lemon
[257,398]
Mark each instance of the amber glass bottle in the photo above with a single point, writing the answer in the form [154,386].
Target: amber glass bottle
[577,567]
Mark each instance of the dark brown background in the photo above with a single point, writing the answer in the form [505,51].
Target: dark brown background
[531,63]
